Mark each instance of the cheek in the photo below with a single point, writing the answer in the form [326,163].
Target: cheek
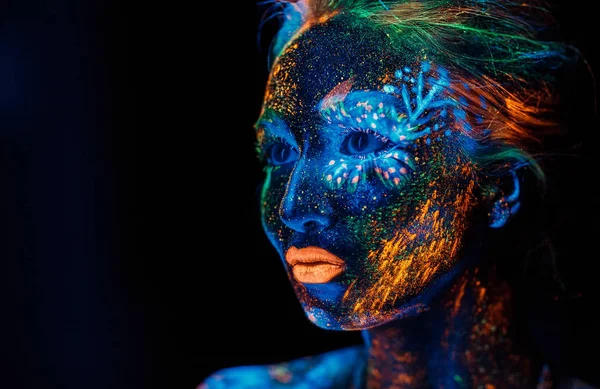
[273,191]
[416,238]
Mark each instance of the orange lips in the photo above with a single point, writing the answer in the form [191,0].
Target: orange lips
[313,265]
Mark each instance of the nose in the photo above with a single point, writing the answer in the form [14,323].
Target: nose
[305,205]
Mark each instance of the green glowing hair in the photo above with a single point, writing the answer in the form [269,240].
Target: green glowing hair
[492,47]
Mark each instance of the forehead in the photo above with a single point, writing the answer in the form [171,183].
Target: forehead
[323,57]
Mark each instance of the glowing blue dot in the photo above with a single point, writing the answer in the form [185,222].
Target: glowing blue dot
[405,78]
[398,73]
[428,141]
[466,86]
[479,119]
[427,130]
[444,113]
[413,89]
[447,133]
[406,69]
[436,127]
[425,66]
[390,89]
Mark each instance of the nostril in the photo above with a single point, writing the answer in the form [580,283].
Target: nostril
[306,223]
[317,224]
[310,225]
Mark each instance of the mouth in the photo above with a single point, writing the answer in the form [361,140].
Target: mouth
[313,265]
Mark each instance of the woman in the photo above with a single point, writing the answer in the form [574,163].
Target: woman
[400,140]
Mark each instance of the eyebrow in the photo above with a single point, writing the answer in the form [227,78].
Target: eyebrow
[273,124]
[366,101]
[354,99]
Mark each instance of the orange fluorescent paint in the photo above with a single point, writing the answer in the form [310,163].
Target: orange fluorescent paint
[415,255]
[316,273]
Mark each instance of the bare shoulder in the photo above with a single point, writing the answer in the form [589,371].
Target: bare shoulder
[331,370]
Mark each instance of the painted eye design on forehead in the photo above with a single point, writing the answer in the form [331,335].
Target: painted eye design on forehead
[382,124]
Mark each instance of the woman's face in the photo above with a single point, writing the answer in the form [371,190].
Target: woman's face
[368,190]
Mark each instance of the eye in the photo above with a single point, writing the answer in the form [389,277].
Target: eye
[281,153]
[364,142]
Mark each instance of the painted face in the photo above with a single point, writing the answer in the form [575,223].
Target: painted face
[369,189]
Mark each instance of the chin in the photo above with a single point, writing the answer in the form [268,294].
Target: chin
[326,307]
[336,321]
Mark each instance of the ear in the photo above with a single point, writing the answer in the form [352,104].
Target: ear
[507,202]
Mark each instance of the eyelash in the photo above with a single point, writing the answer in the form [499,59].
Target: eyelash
[371,132]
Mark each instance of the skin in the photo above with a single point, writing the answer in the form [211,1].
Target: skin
[388,189]
[368,157]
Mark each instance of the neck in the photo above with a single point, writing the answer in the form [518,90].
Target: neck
[473,347]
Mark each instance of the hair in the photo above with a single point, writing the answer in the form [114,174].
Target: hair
[505,60]
[503,70]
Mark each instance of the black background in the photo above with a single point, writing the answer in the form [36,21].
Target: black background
[132,252]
